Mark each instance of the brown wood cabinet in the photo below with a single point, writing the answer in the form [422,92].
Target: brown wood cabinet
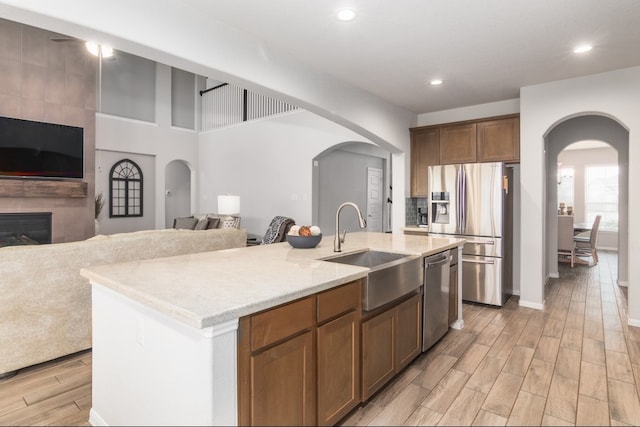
[390,341]
[338,352]
[495,139]
[499,140]
[408,331]
[276,366]
[458,143]
[378,342]
[425,151]
[299,363]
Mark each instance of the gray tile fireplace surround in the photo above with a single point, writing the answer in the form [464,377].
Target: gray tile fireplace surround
[27,228]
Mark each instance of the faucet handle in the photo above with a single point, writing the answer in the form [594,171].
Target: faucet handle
[344,235]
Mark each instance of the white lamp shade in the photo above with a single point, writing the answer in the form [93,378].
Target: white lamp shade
[228,204]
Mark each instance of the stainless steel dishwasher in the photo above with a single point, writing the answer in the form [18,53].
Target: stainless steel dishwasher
[435,307]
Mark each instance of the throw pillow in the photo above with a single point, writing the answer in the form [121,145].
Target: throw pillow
[202,224]
[213,223]
[187,223]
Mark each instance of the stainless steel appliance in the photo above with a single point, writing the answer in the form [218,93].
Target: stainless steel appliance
[423,217]
[474,201]
[435,307]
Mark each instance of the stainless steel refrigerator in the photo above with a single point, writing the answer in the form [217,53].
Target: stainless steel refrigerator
[474,201]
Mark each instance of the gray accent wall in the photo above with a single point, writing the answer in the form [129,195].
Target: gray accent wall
[129,87]
[342,177]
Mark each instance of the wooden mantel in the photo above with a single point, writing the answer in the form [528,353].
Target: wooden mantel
[33,188]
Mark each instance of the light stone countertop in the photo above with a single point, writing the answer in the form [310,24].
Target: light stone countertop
[206,289]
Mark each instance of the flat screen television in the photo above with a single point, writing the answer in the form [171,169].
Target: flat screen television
[42,150]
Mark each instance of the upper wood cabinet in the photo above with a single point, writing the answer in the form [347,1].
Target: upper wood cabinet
[458,144]
[499,140]
[425,151]
[495,139]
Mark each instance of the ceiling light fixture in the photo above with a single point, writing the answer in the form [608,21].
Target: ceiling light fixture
[583,48]
[346,15]
[436,82]
[96,49]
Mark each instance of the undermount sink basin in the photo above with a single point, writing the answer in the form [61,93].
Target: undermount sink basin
[392,275]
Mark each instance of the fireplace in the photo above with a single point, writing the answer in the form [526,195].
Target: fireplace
[28,228]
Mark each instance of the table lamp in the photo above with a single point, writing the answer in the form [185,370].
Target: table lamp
[229,205]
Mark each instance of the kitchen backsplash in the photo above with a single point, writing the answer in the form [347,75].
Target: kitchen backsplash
[411,214]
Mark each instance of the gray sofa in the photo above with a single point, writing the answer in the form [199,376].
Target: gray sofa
[46,304]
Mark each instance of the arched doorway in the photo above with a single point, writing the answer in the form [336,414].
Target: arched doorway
[356,172]
[177,191]
[581,128]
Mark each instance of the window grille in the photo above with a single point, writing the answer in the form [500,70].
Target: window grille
[125,190]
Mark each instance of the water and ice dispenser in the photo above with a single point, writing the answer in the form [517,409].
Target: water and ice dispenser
[440,207]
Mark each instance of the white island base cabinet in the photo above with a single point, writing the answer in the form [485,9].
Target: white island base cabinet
[151,369]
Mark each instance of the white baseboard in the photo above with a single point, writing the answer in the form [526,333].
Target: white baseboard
[554,275]
[515,292]
[633,322]
[623,283]
[458,324]
[530,304]
[95,419]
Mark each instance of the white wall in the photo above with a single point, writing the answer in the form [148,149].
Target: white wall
[268,163]
[500,108]
[159,139]
[614,94]
[105,159]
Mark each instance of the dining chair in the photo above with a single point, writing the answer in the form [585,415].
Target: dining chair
[587,241]
[566,243]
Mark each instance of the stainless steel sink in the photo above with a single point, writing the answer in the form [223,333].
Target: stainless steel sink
[392,275]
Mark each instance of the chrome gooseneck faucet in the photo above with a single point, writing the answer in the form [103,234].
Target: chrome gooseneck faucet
[338,240]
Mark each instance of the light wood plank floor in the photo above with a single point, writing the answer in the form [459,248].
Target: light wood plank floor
[575,363]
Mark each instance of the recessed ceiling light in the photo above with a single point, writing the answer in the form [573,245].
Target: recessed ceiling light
[436,82]
[346,15]
[583,48]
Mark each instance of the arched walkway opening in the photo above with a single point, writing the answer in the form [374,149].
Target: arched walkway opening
[588,127]
[177,191]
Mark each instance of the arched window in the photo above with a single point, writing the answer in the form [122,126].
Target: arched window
[125,189]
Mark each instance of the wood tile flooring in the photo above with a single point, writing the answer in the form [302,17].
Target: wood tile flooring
[575,363]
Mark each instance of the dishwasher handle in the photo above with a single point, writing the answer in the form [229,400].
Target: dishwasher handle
[444,260]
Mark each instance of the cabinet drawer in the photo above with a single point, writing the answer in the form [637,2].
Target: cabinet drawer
[274,325]
[339,300]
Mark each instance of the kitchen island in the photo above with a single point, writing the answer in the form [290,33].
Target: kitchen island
[165,330]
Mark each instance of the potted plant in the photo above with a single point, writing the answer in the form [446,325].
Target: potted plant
[99,204]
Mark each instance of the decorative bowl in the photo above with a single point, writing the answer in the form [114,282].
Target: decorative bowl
[304,242]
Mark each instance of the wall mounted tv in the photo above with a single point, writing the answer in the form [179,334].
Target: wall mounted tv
[42,150]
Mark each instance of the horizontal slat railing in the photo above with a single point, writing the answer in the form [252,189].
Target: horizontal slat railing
[227,105]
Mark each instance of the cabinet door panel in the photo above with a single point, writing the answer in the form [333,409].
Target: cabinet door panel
[425,151]
[283,383]
[378,365]
[338,368]
[458,144]
[408,331]
[499,140]
[339,300]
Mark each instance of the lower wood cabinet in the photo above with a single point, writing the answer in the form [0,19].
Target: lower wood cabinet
[338,368]
[378,342]
[453,294]
[391,339]
[283,383]
[299,363]
[409,331]
[311,361]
